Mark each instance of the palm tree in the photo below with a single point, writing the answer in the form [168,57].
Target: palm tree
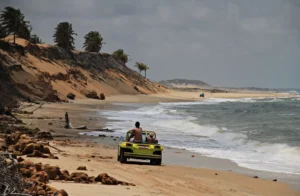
[13,21]
[139,66]
[36,40]
[24,31]
[145,69]
[142,67]
[63,36]
[120,55]
[2,32]
[93,41]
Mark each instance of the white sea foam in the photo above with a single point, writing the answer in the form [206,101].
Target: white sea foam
[212,101]
[181,131]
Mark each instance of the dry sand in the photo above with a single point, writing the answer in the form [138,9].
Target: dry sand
[149,180]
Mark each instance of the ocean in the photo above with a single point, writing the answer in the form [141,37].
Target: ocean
[261,134]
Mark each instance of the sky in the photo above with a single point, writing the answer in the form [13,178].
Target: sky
[231,43]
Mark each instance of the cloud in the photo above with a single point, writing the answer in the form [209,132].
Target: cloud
[225,43]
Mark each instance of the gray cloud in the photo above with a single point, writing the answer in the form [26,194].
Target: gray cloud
[225,43]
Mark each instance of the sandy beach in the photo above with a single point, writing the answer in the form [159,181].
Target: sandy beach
[180,174]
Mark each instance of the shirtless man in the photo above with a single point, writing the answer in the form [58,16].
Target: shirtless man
[136,133]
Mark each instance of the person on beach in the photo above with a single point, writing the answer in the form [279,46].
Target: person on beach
[136,134]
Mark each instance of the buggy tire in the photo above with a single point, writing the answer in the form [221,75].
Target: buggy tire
[118,157]
[158,162]
[123,159]
[155,161]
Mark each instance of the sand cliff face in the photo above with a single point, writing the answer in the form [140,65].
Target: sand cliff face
[46,72]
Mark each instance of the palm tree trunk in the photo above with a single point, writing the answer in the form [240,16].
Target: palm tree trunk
[14,37]
[145,74]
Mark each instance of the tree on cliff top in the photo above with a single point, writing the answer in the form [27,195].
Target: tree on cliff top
[2,32]
[36,40]
[146,67]
[139,66]
[142,67]
[63,36]
[13,21]
[120,55]
[93,41]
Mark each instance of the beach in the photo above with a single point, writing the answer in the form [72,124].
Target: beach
[182,173]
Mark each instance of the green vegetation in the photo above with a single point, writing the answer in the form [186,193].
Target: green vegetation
[93,41]
[63,36]
[4,45]
[36,40]
[2,32]
[142,67]
[13,22]
[120,55]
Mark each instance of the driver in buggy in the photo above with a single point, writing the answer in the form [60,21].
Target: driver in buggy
[137,135]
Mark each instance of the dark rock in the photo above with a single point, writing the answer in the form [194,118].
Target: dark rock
[71,96]
[26,172]
[61,192]
[52,171]
[82,168]
[44,135]
[102,96]
[40,176]
[92,95]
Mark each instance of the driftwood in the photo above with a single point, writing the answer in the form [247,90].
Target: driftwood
[68,124]
[47,144]
[37,108]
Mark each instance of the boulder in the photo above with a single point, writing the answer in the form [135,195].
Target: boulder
[92,95]
[52,171]
[20,159]
[37,154]
[21,145]
[65,175]
[100,177]
[104,178]
[45,135]
[40,176]
[71,96]
[38,167]
[41,192]
[51,156]
[26,173]
[102,96]
[80,177]
[46,150]
[30,148]
[61,192]
[26,164]
[82,168]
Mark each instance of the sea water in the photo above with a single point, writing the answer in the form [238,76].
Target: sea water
[262,134]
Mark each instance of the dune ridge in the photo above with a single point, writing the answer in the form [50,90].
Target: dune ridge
[45,72]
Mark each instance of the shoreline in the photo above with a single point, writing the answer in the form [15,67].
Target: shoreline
[83,112]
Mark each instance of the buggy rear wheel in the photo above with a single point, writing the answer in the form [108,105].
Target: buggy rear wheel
[155,161]
[122,158]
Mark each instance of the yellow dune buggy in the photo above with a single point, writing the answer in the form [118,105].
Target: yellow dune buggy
[143,150]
